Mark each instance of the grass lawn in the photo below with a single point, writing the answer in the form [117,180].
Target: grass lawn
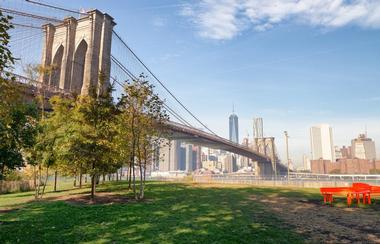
[172,213]
[185,213]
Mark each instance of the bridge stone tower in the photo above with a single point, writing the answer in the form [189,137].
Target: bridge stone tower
[266,146]
[78,50]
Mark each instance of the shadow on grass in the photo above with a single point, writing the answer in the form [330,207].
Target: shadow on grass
[175,213]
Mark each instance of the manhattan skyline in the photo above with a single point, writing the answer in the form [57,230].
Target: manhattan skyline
[292,68]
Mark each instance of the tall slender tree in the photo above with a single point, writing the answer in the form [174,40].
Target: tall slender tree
[141,112]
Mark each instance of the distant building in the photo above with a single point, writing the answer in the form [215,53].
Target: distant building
[363,148]
[209,165]
[182,158]
[306,162]
[234,127]
[212,158]
[346,152]
[204,157]
[338,153]
[175,155]
[229,163]
[198,157]
[194,162]
[322,146]
[258,128]
[189,158]
[170,154]
[345,166]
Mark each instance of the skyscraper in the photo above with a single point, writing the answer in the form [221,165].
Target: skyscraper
[175,155]
[258,128]
[170,156]
[322,146]
[189,158]
[229,163]
[198,158]
[363,148]
[234,127]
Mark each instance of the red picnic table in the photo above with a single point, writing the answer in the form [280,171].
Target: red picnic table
[357,190]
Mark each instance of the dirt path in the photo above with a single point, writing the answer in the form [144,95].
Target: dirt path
[326,224]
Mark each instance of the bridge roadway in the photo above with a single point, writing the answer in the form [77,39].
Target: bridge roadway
[189,134]
[175,130]
[192,135]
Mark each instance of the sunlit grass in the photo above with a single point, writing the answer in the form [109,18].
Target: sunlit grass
[173,213]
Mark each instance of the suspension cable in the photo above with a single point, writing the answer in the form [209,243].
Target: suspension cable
[161,83]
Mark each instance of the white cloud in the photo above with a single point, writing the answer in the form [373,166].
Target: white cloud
[223,20]
[216,19]
[159,22]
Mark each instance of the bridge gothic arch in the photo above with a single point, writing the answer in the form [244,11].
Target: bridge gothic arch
[79,65]
[56,67]
[261,148]
[87,51]
[268,150]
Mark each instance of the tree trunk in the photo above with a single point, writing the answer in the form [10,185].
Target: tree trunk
[75,180]
[35,179]
[80,178]
[134,181]
[104,178]
[129,176]
[55,180]
[141,183]
[36,194]
[144,180]
[145,162]
[93,187]
[144,172]
[38,182]
[46,179]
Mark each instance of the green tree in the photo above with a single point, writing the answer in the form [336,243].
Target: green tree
[17,135]
[89,141]
[18,121]
[141,112]
[7,90]
[52,131]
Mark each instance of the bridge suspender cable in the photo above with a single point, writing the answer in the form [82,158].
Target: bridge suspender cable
[170,110]
[177,116]
[159,81]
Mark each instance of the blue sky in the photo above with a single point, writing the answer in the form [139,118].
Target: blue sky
[294,63]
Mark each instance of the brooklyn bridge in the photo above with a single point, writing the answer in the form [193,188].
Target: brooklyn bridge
[80,45]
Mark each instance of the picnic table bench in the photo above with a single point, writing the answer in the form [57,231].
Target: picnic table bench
[356,191]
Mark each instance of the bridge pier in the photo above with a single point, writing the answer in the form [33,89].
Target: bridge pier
[264,169]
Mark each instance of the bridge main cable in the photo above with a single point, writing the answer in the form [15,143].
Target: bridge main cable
[132,76]
[162,84]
